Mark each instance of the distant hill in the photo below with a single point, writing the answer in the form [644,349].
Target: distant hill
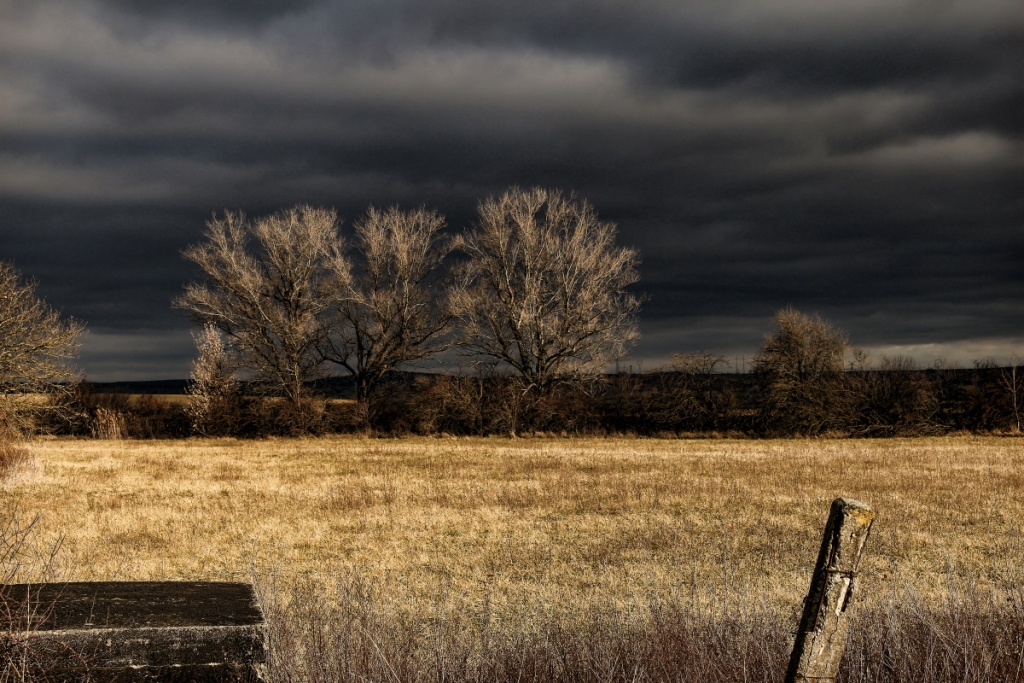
[334,387]
[152,386]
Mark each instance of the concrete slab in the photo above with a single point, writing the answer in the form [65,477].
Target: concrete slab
[134,631]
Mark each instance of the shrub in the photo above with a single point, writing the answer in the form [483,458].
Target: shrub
[12,458]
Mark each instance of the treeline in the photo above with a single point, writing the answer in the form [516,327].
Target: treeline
[535,297]
[799,387]
[882,402]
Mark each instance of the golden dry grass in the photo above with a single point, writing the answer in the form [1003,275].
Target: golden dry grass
[548,524]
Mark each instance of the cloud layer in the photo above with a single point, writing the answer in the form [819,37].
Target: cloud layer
[863,160]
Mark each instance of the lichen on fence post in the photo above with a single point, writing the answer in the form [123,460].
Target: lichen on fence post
[826,619]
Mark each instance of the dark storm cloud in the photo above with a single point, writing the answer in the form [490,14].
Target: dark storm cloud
[201,12]
[827,46]
[858,159]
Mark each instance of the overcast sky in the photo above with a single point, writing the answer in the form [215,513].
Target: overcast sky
[862,159]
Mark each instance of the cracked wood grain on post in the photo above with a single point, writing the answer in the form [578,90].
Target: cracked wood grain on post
[826,619]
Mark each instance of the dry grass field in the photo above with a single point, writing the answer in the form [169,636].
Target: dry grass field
[514,534]
[544,520]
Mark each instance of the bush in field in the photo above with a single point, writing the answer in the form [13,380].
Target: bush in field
[452,404]
[700,402]
[801,369]
[12,458]
[484,402]
[1011,380]
[895,398]
[119,416]
[988,401]
[215,406]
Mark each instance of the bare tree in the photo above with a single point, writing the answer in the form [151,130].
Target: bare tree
[701,364]
[390,303]
[37,347]
[801,366]
[215,392]
[700,401]
[271,301]
[545,289]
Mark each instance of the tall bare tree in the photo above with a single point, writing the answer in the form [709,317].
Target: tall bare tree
[545,288]
[390,303]
[37,347]
[271,299]
[800,365]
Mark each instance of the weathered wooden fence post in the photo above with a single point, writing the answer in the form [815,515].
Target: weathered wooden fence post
[825,621]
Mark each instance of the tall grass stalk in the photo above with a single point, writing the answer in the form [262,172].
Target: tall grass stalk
[353,633]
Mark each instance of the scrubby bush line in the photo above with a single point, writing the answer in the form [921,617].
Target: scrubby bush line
[897,401]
